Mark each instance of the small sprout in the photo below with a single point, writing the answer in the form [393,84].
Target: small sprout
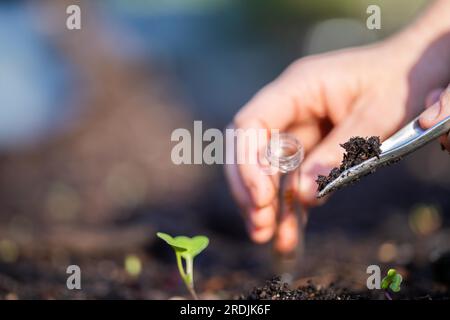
[186,248]
[133,265]
[391,281]
[9,252]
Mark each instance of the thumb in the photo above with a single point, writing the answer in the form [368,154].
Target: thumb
[328,154]
[438,111]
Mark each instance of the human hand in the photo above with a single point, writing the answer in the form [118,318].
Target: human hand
[324,100]
[438,108]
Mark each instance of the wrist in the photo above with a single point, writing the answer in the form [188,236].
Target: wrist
[420,40]
[428,38]
[420,54]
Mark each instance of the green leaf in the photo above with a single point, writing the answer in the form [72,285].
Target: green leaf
[391,273]
[193,245]
[196,245]
[171,241]
[189,247]
[385,282]
[186,248]
[396,281]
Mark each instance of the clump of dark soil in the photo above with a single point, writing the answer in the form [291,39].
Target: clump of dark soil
[275,289]
[357,150]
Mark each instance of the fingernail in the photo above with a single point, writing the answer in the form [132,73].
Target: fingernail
[431,113]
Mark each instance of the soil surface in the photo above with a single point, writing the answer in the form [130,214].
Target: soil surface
[357,150]
[275,289]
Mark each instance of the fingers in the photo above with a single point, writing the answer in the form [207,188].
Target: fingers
[287,228]
[436,112]
[255,191]
[272,108]
[280,105]
[438,108]
[291,220]
[310,133]
[238,190]
[261,223]
[287,234]
[262,113]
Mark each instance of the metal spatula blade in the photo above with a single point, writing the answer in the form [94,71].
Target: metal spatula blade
[407,140]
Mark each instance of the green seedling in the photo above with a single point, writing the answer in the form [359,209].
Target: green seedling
[186,248]
[392,281]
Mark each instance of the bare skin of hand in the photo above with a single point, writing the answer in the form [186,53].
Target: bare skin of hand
[324,100]
[438,108]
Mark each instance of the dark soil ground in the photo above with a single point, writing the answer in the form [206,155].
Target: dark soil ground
[397,226]
[235,269]
[275,289]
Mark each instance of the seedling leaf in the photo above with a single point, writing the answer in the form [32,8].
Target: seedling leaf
[193,245]
[186,248]
[396,281]
[391,273]
[171,241]
[392,281]
[385,283]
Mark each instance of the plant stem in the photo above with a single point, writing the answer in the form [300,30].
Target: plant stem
[192,291]
[180,266]
[387,295]
[188,275]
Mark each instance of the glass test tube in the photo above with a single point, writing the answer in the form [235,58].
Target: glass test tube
[286,153]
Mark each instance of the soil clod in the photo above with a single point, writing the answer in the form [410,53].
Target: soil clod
[357,150]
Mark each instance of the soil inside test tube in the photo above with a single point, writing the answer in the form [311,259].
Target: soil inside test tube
[357,150]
